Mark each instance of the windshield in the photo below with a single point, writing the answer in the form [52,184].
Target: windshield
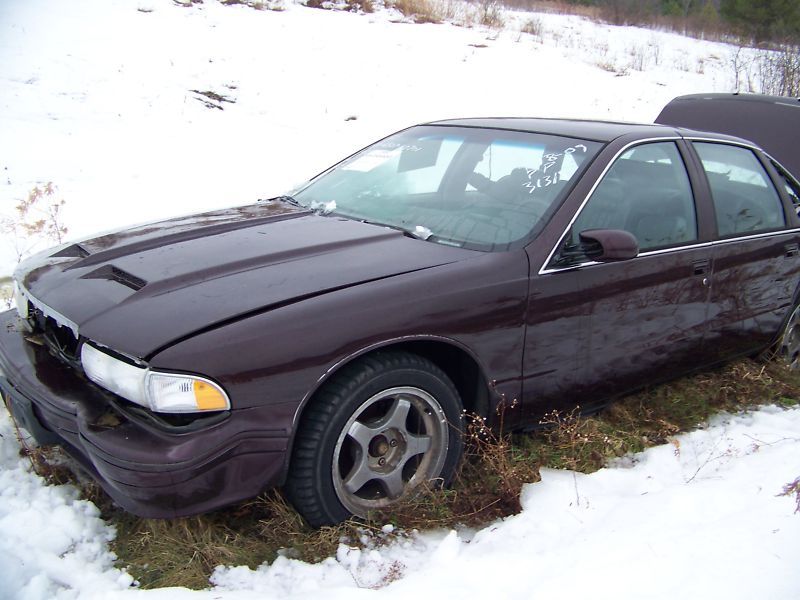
[474,188]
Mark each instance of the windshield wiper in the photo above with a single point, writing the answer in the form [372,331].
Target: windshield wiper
[285,198]
[418,233]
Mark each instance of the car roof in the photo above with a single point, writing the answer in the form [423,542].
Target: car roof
[771,122]
[599,131]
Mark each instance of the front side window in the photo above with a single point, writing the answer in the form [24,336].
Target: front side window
[646,192]
[475,188]
[745,201]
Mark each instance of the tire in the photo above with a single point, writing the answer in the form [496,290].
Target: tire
[384,425]
[788,347]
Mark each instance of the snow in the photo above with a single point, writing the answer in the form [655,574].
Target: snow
[52,545]
[96,96]
[701,517]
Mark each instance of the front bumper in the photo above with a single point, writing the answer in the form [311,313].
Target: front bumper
[149,470]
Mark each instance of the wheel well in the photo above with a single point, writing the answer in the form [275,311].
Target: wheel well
[460,367]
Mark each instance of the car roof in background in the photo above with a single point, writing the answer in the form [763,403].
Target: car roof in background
[599,131]
[771,122]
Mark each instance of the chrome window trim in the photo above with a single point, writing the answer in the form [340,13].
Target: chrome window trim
[743,143]
[747,145]
[542,269]
[591,263]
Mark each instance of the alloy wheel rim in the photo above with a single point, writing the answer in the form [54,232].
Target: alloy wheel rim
[395,441]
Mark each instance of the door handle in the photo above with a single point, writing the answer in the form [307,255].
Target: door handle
[701,267]
[792,249]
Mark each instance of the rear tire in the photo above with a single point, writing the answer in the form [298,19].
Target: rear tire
[381,427]
[788,347]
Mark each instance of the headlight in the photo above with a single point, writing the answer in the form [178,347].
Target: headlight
[115,375]
[160,392]
[20,300]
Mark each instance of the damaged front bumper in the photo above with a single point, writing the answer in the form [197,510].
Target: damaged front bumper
[149,468]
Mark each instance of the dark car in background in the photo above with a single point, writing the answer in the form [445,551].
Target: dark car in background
[332,341]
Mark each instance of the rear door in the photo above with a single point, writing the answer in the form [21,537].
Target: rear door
[756,256]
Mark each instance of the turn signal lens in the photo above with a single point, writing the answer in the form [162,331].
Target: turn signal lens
[208,397]
[184,393]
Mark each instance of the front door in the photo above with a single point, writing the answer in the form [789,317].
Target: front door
[623,324]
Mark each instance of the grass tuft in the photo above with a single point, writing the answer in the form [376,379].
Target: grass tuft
[184,552]
[421,11]
[793,488]
[654,416]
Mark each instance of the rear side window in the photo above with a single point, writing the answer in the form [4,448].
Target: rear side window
[790,185]
[647,193]
[745,200]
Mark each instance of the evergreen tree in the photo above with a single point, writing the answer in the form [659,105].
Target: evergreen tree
[777,20]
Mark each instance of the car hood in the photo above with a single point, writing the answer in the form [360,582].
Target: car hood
[142,289]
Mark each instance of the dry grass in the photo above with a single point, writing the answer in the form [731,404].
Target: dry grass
[6,293]
[533,26]
[38,220]
[793,488]
[559,7]
[486,487]
[653,416]
[184,552]
[421,11]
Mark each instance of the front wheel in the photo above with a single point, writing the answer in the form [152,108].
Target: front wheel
[382,427]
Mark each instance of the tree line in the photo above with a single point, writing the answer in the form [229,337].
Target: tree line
[760,21]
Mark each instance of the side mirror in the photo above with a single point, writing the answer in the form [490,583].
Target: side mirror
[609,245]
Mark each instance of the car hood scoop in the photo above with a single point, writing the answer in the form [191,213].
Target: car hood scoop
[112,273]
[139,290]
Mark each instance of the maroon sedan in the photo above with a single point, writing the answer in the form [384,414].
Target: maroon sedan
[330,341]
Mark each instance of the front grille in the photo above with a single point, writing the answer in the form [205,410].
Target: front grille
[60,339]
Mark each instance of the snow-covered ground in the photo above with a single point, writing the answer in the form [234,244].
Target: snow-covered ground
[698,518]
[96,96]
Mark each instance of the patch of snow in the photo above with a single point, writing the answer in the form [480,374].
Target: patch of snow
[52,544]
